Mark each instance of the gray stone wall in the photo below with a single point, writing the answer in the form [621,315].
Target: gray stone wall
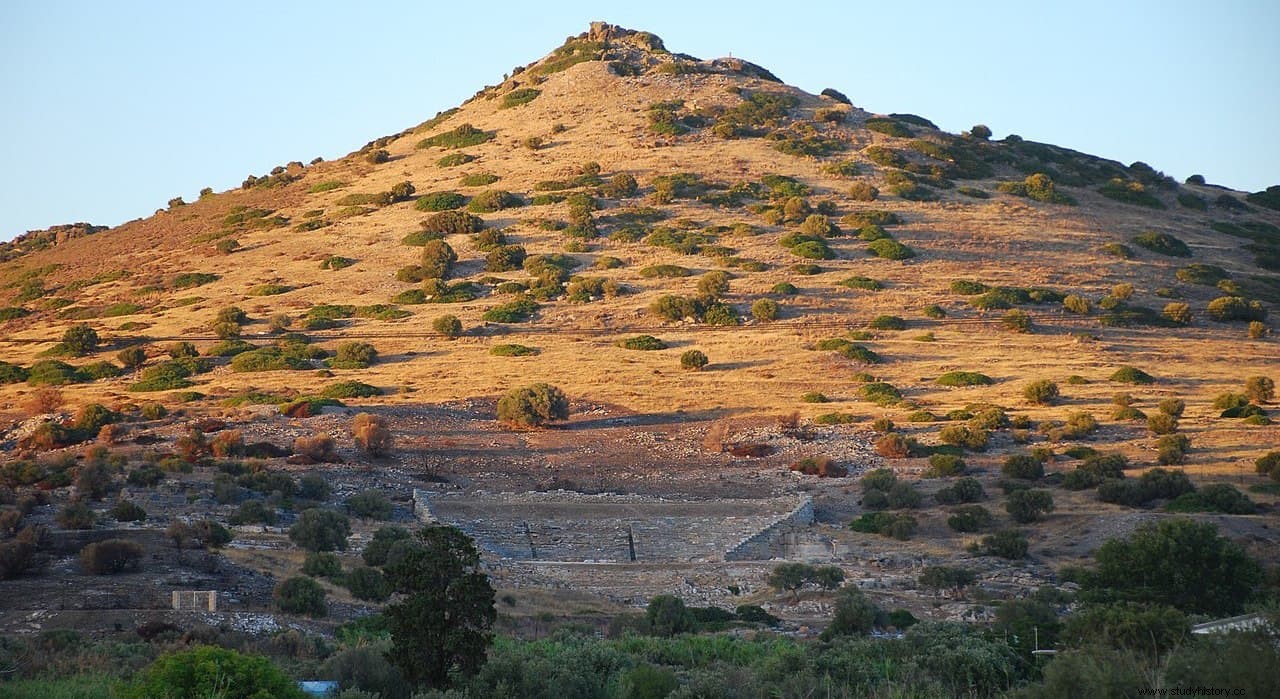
[764,544]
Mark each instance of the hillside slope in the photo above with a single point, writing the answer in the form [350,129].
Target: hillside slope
[784,191]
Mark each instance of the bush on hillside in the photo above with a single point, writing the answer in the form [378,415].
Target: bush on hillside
[533,406]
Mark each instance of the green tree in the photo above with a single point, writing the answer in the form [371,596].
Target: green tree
[80,339]
[1127,626]
[790,577]
[447,325]
[667,615]
[533,405]
[1029,505]
[209,671]
[1244,661]
[442,626]
[132,357]
[367,584]
[300,595]
[1026,623]
[855,615]
[321,530]
[387,546]
[1178,562]
[945,577]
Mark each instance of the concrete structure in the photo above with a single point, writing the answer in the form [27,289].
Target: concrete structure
[1244,622]
[195,600]
[609,528]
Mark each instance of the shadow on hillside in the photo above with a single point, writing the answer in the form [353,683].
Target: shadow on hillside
[406,357]
[651,419]
[730,366]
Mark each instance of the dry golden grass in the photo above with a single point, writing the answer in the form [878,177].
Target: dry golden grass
[762,368]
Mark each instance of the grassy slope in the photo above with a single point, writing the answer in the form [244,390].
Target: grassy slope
[761,368]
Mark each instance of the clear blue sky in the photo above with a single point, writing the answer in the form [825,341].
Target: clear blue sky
[110,109]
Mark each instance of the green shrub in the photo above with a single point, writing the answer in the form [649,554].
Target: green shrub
[321,530]
[79,340]
[887,322]
[880,393]
[12,373]
[720,314]
[532,406]
[765,309]
[465,135]
[814,397]
[188,280]
[111,556]
[1162,423]
[452,222]
[505,258]
[51,372]
[834,419]
[1007,543]
[966,489]
[1200,273]
[479,179]
[861,282]
[944,465]
[1017,321]
[519,96]
[713,284]
[969,518]
[300,595]
[1269,464]
[440,201]
[693,360]
[664,271]
[350,389]
[620,186]
[518,311]
[1133,375]
[1037,186]
[370,504]
[208,671]
[492,200]
[1162,243]
[455,159]
[898,526]
[889,127]
[1023,466]
[512,350]
[1177,313]
[973,438]
[437,259]
[1129,192]
[1216,497]
[1260,389]
[1229,308]
[963,378]
[889,249]
[322,565]
[1076,304]
[269,289]
[447,325]
[1026,506]
[1041,392]
[965,287]
[641,342]
[367,584]
[808,247]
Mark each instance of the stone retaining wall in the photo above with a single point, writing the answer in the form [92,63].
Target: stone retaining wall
[611,528]
[763,545]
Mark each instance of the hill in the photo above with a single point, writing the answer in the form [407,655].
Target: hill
[867,291]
